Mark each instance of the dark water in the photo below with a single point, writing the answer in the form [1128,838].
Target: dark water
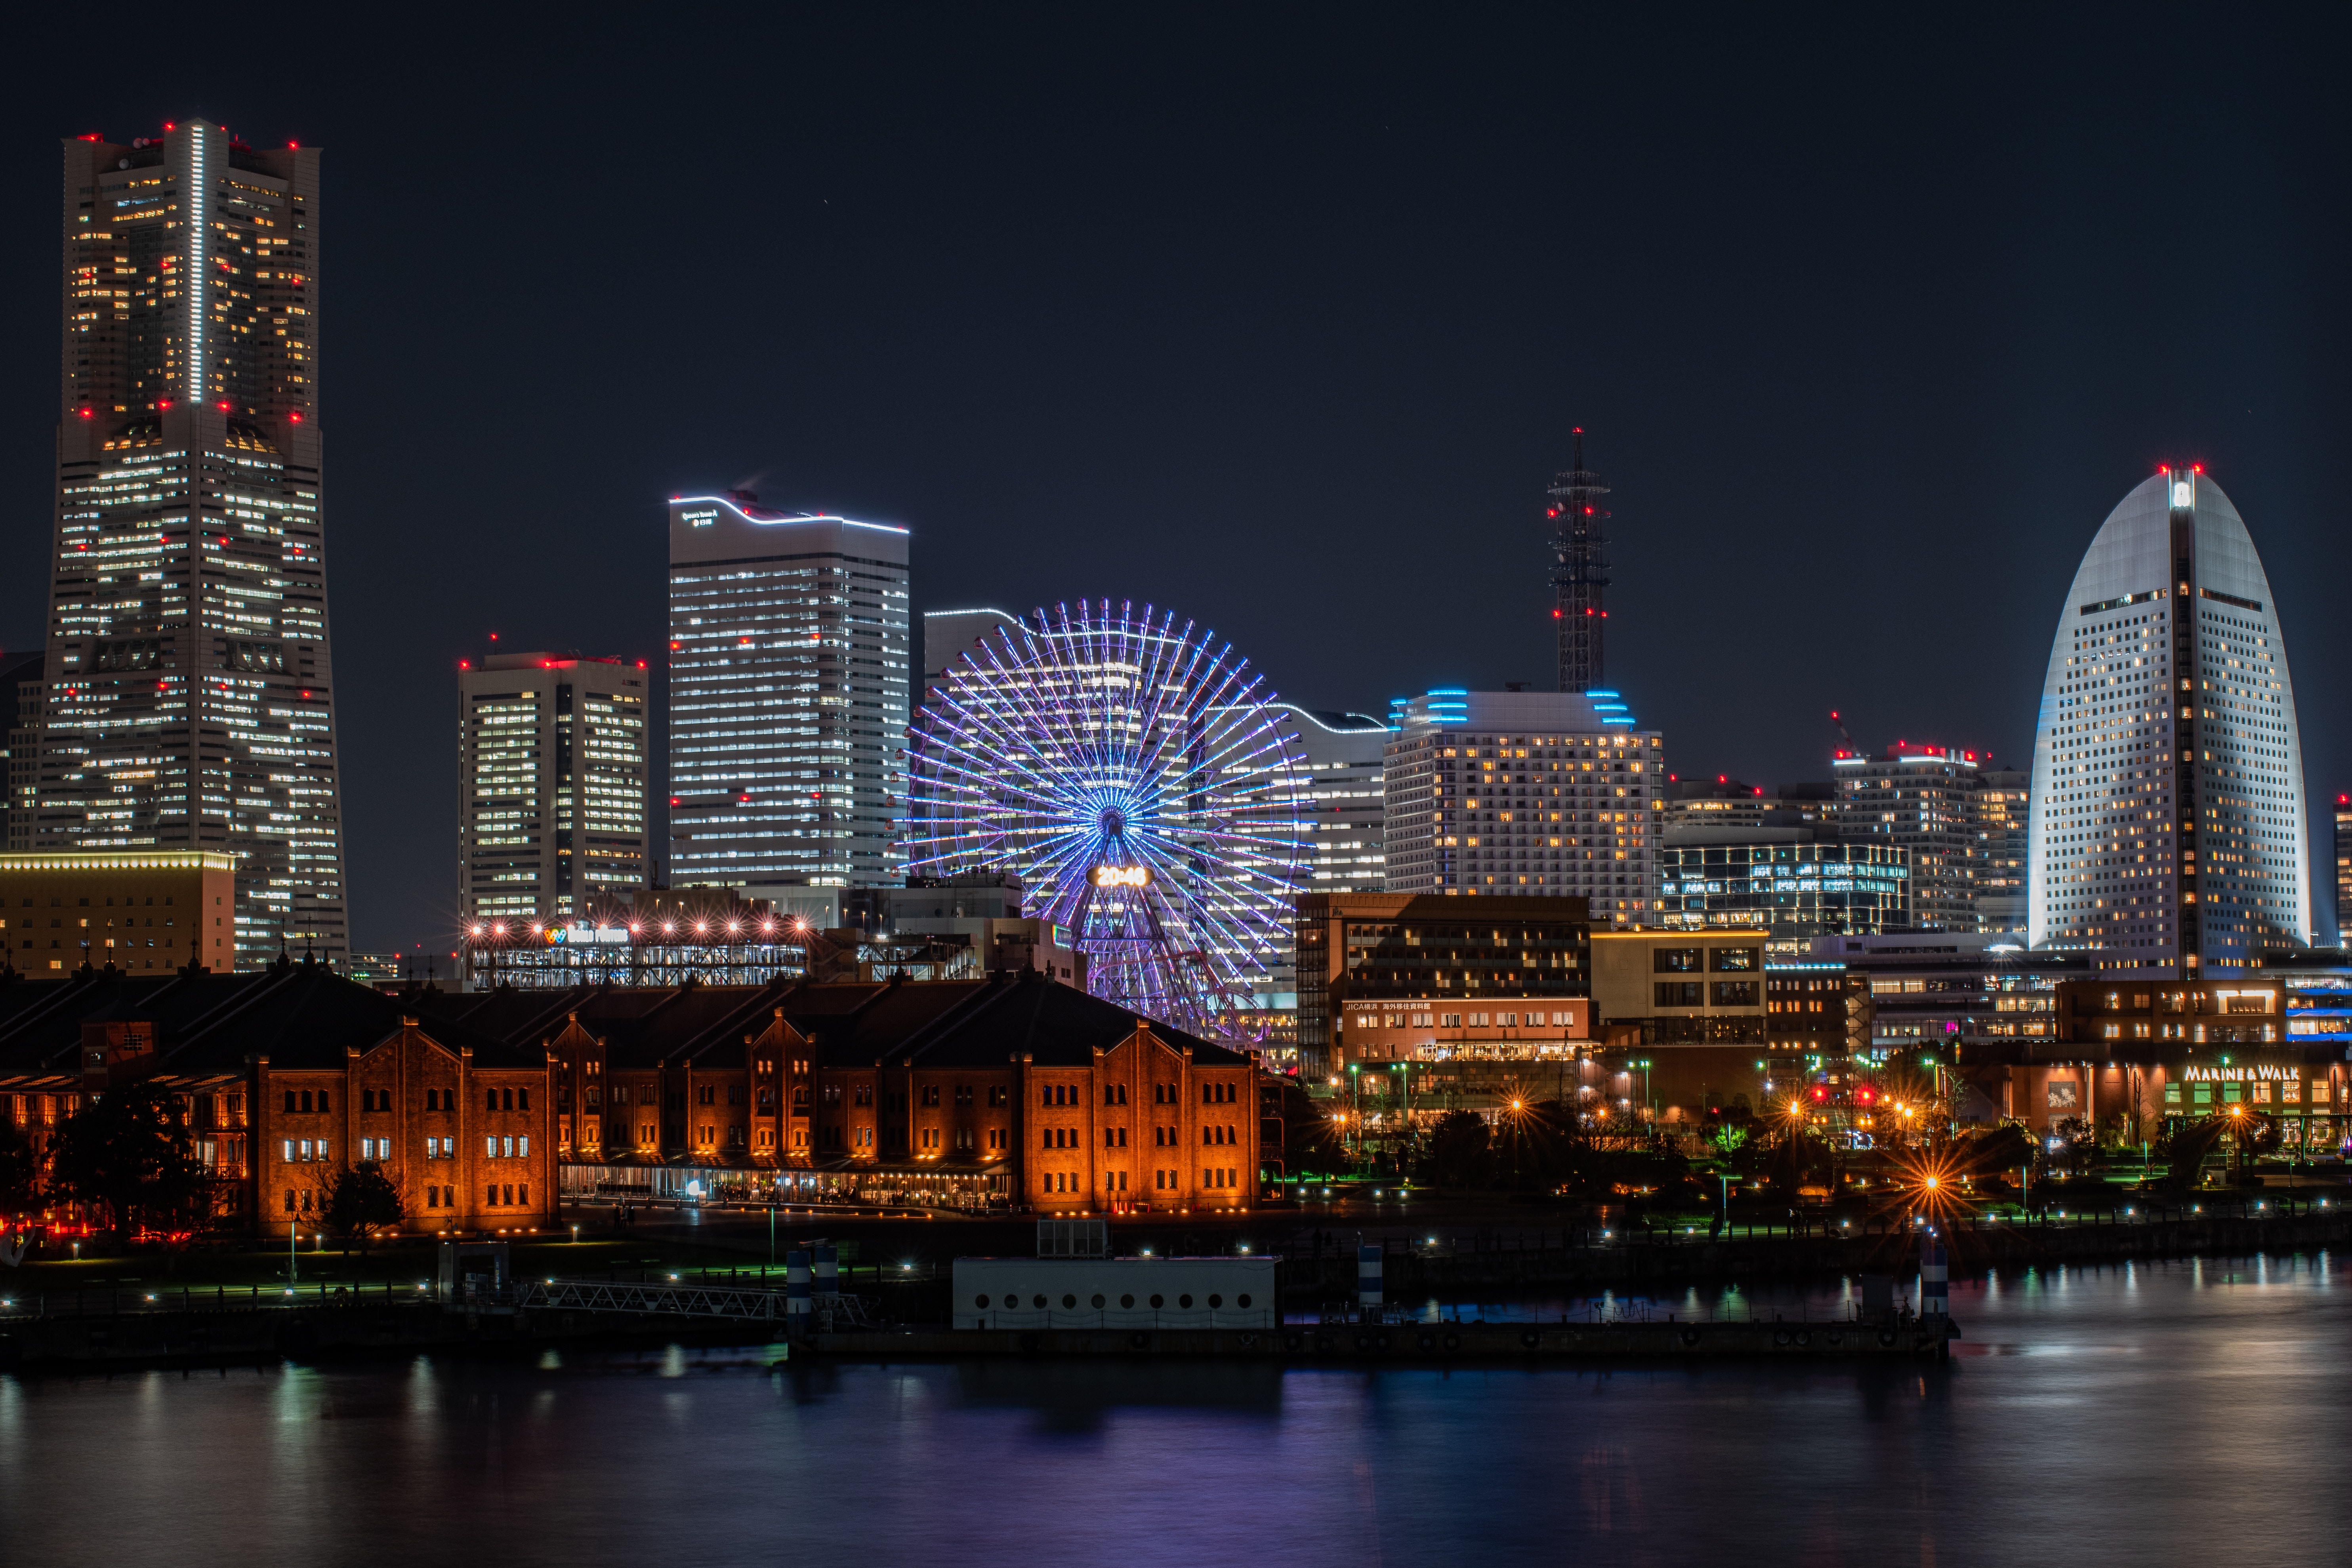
[2141,1415]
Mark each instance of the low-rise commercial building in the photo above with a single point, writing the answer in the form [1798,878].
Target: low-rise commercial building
[1677,988]
[2126,1057]
[1781,879]
[141,910]
[1400,956]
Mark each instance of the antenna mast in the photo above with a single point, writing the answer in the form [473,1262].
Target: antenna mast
[1579,573]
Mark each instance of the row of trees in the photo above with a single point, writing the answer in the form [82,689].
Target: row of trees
[127,1161]
[1544,1145]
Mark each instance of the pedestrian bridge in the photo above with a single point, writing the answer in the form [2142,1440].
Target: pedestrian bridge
[677,1299]
[646,1298]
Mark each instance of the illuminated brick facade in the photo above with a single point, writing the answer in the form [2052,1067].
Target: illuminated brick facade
[482,1108]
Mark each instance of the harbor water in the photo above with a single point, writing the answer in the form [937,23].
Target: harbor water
[2128,1413]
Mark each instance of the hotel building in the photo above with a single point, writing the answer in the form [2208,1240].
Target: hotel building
[551,784]
[2168,807]
[789,670]
[1528,794]
[190,694]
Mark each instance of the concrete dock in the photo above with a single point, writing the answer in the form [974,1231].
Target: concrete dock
[1903,1338]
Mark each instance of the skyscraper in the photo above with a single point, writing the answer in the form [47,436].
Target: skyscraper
[551,784]
[1927,800]
[1343,756]
[1580,575]
[1533,793]
[22,694]
[191,697]
[2168,803]
[788,666]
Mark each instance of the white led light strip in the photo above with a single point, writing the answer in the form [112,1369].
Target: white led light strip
[197,190]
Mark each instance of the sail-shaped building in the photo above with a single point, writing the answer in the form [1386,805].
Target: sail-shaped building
[2169,829]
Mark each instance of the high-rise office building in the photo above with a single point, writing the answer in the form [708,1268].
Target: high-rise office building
[1535,793]
[2169,827]
[1580,575]
[948,634]
[551,784]
[191,697]
[1344,757]
[23,690]
[1723,802]
[789,672]
[1923,800]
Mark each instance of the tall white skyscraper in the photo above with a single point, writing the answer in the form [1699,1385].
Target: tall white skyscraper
[1344,756]
[190,694]
[789,672]
[2168,796]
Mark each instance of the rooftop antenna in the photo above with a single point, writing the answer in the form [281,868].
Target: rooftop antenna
[1579,573]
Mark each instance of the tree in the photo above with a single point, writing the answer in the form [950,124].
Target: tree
[1996,1151]
[1309,1143]
[2070,1149]
[127,1158]
[20,1172]
[2264,1138]
[1458,1151]
[2186,1151]
[362,1202]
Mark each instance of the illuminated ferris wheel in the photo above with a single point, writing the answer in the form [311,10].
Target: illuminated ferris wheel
[1131,774]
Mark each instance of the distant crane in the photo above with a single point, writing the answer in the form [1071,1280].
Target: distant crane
[1850,749]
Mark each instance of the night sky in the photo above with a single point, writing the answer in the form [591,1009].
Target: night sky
[1278,320]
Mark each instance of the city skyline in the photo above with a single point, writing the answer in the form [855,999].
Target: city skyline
[1305,370]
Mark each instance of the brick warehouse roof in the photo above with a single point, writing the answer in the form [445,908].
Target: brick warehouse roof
[931,1023]
[298,1015]
[304,1015]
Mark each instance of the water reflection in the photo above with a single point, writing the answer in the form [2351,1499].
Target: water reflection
[2112,1412]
